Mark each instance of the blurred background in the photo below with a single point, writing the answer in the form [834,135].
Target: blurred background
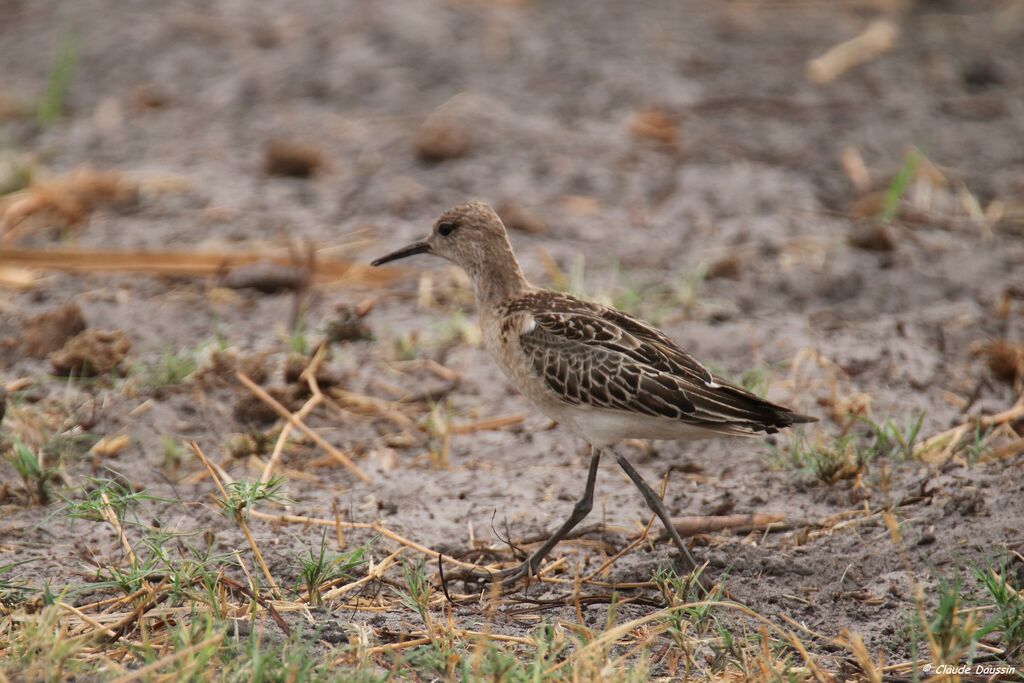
[404,108]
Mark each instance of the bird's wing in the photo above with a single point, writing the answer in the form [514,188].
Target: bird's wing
[593,355]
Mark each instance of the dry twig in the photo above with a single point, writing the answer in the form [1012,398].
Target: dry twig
[300,425]
[696,525]
[184,653]
[187,263]
[876,39]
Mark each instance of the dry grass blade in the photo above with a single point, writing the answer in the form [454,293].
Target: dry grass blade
[188,263]
[153,596]
[875,40]
[108,514]
[695,525]
[67,199]
[613,635]
[487,425]
[1005,359]
[282,518]
[282,439]
[375,573]
[388,533]
[816,671]
[403,645]
[97,626]
[375,526]
[367,405]
[942,446]
[1009,450]
[274,614]
[855,644]
[17,278]
[639,541]
[300,425]
[184,653]
[240,520]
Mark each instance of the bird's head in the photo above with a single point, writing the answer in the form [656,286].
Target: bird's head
[469,235]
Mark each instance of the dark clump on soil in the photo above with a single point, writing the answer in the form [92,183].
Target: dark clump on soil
[91,353]
[47,332]
[291,159]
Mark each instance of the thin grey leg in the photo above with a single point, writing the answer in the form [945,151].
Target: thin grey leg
[579,511]
[654,502]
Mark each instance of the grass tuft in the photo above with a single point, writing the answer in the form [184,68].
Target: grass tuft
[243,495]
[848,455]
[319,570]
[35,477]
[106,494]
[1008,605]
[11,592]
[952,632]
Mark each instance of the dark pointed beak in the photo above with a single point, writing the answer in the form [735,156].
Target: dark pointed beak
[410,250]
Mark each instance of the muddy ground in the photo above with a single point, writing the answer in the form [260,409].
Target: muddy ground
[726,216]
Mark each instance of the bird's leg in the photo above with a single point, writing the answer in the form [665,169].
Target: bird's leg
[654,502]
[579,511]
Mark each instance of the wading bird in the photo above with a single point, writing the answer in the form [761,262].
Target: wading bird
[605,375]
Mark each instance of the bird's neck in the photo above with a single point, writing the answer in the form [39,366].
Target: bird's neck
[497,280]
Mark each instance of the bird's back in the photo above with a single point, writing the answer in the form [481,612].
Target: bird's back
[602,370]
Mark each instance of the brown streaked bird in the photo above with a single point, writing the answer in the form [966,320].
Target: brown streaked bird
[605,375]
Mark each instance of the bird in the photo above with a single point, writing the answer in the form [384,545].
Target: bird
[605,375]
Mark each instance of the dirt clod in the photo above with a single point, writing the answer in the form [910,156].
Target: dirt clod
[68,199]
[219,369]
[873,236]
[148,97]
[1005,359]
[982,74]
[269,278]
[291,159]
[347,326]
[727,267]
[651,124]
[49,331]
[91,353]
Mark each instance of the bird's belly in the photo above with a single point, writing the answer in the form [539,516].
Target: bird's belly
[603,427]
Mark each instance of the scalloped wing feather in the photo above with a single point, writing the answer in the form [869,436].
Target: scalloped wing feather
[592,355]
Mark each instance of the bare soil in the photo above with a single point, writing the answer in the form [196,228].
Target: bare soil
[409,107]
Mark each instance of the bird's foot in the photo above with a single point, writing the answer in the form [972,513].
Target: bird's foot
[513,575]
[503,579]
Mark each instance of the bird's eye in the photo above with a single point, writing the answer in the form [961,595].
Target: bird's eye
[446,229]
